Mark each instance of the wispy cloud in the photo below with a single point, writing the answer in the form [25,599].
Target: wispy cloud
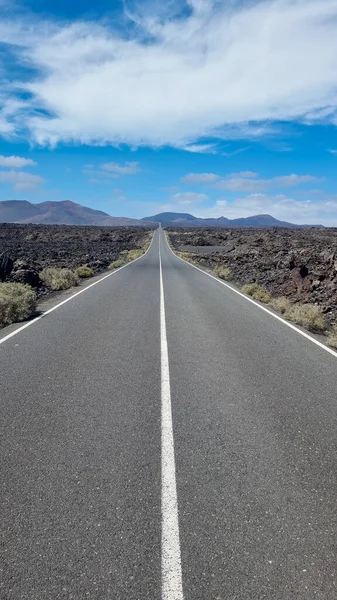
[110,170]
[189,198]
[129,168]
[246,184]
[16,162]
[173,80]
[21,180]
[201,148]
[200,178]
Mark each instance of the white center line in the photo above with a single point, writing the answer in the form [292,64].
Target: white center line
[172,587]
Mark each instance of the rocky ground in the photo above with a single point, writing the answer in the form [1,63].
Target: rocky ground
[27,249]
[300,264]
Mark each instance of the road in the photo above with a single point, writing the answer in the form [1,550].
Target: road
[164,438]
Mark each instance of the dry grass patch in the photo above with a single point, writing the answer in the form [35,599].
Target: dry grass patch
[58,279]
[84,271]
[116,264]
[257,292]
[308,315]
[133,254]
[188,257]
[223,272]
[332,338]
[17,303]
[127,256]
[281,304]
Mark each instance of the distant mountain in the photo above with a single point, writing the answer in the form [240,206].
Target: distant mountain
[187,220]
[59,213]
[170,217]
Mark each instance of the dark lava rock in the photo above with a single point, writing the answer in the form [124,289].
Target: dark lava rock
[6,266]
[300,264]
[26,276]
[35,247]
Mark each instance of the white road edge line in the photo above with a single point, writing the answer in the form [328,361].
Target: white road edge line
[269,312]
[172,587]
[50,310]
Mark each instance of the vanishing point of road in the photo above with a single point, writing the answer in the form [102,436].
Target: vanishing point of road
[164,438]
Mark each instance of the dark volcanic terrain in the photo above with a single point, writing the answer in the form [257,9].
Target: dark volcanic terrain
[34,247]
[300,264]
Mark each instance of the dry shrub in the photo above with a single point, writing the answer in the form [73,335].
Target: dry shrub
[223,272]
[58,279]
[332,337]
[281,304]
[308,315]
[257,292]
[84,271]
[116,264]
[133,254]
[17,303]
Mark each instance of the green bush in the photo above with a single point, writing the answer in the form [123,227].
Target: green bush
[257,292]
[308,315]
[116,264]
[58,279]
[17,303]
[84,271]
[332,337]
[222,272]
[281,304]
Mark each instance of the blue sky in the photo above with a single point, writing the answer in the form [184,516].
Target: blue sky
[213,107]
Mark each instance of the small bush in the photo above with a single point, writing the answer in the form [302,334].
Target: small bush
[188,257]
[281,304]
[223,272]
[116,264]
[308,315]
[58,279]
[17,303]
[257,292]
[84,272]
[133,254]
[332,337]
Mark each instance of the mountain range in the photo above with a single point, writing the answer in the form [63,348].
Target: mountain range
[187,220]
[70,213]
[58,213]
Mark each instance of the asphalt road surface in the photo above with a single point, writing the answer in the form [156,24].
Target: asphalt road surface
[164,438]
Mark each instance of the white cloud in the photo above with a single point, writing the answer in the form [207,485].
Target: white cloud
[200,178]
[246,184]
[201,148]
[129,168]
[189,198]
[110,170]
[21,180]
[280,206]
[16,162]
[220,71]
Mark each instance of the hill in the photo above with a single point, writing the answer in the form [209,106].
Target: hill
[187,220]
[59,213]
